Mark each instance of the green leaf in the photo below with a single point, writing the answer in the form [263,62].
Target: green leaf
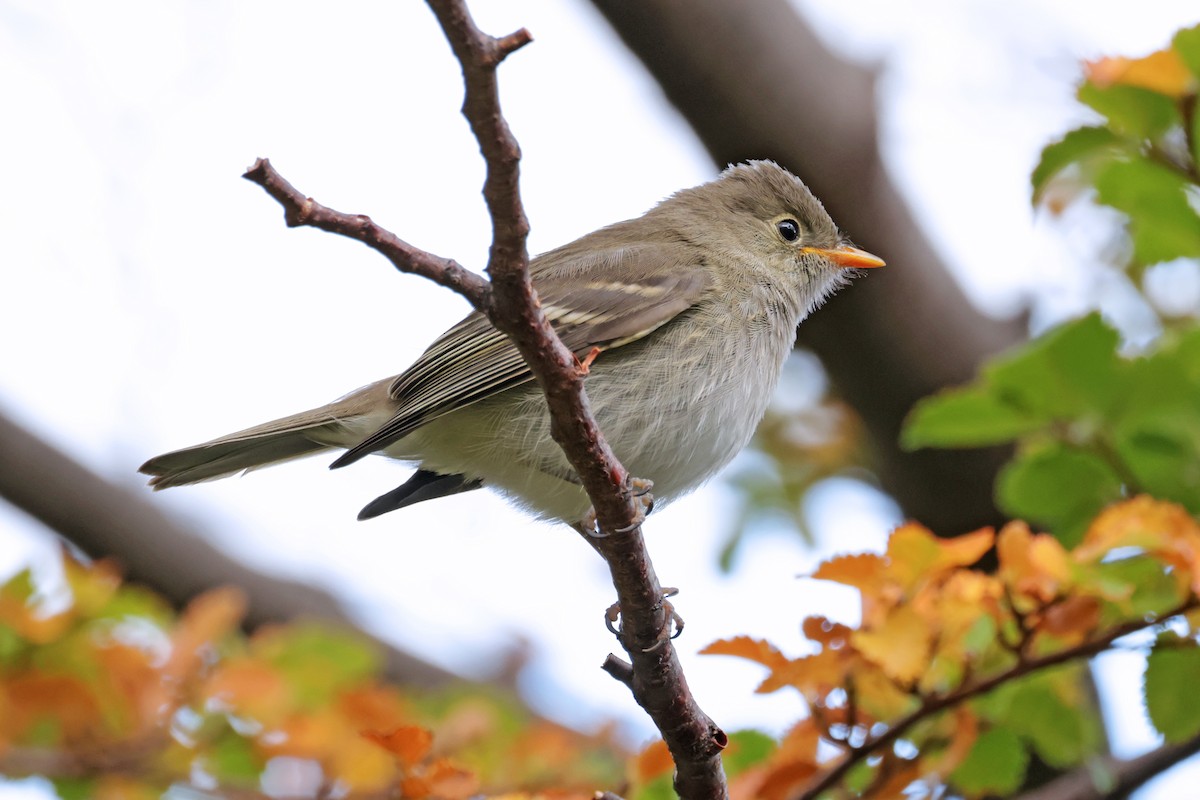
[319,659]
[1157,433]
[75,788]
[137,601]
[233,759]
[1081,144]
[1163,455]
[1062,732]
[995,766]
[969,417]
[1170,691]
[1187,44]
[746,749]
[1131,110]
[12,645]
[1194,122]
[1162,221]
[661,788]
[1058,487]
[1149,587]
[1067,372]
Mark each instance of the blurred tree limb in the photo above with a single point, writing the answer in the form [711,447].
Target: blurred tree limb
[754,81]
[106,519]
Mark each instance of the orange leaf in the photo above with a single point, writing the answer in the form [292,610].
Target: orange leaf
[964,732]
[1162,71]
[1072,620]
[1032,565]
[826,632]
[251,689]
[33,697]
[207,618]
[132,687]
[863,571]
[1163,529]
[654,760]
[373,707]
[785,780]
[813,675]
[441,780]
[410,744]
[800,743]
[757,650]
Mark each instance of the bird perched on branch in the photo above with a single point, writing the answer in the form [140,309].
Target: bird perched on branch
[685,313]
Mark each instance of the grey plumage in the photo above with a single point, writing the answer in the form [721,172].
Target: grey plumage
[693,307]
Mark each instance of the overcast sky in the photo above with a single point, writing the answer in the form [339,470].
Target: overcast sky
[152,299]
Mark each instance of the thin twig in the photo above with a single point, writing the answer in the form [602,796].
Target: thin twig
[935,704]
[301,211]
[510,302]
[658,683]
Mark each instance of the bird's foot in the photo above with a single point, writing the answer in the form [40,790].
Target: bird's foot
[638,488]
[672,630]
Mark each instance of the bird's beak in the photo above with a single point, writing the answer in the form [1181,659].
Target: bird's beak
[847,256]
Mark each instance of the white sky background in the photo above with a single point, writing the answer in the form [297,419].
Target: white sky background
[151,299]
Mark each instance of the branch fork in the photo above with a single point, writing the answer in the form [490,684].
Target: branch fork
[654,674]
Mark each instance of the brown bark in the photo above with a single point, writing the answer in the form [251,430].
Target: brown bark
[104,519]
[754,81]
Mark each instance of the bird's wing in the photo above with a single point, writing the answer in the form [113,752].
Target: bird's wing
[585,301]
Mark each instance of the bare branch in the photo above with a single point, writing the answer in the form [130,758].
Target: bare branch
[1113,778]
[300,211]
[510,302]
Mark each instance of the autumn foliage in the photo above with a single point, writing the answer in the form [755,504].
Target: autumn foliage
[108,692]
[962,669]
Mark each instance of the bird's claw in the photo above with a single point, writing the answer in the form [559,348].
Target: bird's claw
[671,631]
[638,488]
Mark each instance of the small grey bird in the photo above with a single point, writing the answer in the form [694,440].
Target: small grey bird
[693,307]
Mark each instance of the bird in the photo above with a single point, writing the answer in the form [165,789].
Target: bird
[685,315]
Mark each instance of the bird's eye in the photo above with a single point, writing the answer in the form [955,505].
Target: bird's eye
[789,229]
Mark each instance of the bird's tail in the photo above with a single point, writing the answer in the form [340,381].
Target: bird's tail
[303,434]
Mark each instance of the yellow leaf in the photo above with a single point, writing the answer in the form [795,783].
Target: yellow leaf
[900,647]
[1033,566]
[92,585]
[1162,71]
[916,555]
[878,696]
[360,765]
